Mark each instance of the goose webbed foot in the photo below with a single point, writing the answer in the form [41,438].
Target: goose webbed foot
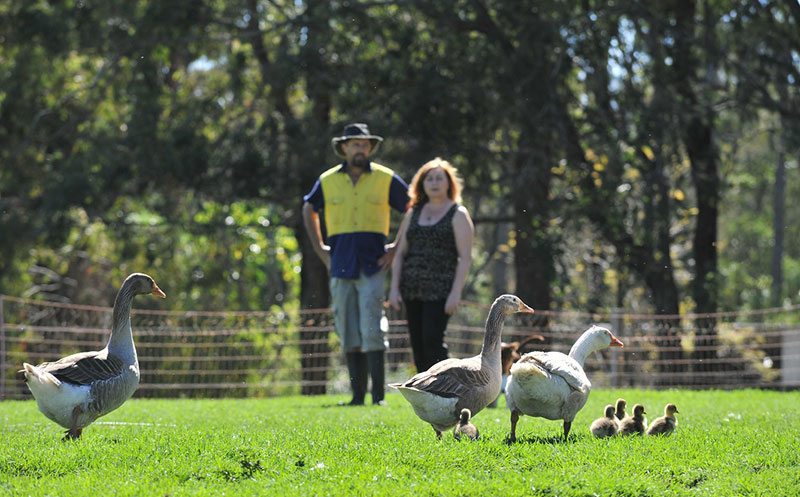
[514,418]
[74,432]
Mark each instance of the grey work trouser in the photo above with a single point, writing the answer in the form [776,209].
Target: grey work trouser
[357,309]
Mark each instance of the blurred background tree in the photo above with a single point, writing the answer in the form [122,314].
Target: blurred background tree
[630,155]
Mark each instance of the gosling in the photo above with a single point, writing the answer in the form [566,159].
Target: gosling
[464,427]
[666,424]
[620,411]
[606,426]
[634,425]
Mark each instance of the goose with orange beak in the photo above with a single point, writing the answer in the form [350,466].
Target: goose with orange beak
[76,390]
[439,394]
[553,385]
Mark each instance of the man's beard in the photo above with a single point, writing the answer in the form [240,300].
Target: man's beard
[360,161]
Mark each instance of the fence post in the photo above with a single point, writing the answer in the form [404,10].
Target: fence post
[616,329]
[790,358]
[2,352]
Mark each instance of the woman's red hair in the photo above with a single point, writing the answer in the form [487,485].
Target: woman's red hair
[417,191]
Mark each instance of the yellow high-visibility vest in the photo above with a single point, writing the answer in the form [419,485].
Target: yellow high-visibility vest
[363,207]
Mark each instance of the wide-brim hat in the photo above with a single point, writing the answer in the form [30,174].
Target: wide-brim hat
[355,131]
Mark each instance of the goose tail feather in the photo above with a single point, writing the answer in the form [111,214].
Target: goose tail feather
[523,370]
[35,376]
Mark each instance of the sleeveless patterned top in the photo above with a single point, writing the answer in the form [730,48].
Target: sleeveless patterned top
[429,267]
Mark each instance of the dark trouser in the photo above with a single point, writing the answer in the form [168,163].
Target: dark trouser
[427,322]
[358,363]
[357,368]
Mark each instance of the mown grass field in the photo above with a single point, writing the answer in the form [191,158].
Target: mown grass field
[727,443]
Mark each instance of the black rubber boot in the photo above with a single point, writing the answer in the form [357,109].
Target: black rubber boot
[357,368]
[376,370]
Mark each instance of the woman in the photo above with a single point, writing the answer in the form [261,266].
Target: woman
[432,259]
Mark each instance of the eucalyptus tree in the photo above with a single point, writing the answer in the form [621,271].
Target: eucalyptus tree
[764,53]
[82,98]
[524,74]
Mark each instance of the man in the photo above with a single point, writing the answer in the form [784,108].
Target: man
[357,197]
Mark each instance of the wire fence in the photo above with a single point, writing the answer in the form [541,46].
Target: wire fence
[252,354]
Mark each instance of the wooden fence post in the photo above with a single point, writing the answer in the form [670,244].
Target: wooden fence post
[790,359]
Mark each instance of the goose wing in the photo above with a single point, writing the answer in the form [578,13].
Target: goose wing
[561,365]
[84,368]
[449,378]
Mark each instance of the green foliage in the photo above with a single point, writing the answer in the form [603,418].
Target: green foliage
[746,221]
[133,131]
[726,443]
[235,257]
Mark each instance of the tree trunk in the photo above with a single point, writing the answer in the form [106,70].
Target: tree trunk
[778,212]
[500,263]
[779,203]
[314,294]
[706,182]
[314,288]
[702,156]
[533,252]
[699,141]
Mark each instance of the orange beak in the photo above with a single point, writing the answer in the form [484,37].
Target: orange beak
[157,291]
[615,342]
[523,307]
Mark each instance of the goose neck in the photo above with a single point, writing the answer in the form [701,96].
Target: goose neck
[584,346]
[120,343]
[491,337]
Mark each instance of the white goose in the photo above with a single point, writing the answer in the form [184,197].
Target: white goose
[78,389]
[439,394]
[553,385]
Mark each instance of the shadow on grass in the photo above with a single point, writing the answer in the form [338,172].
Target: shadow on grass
[340,404]
[538,440]
[343,403]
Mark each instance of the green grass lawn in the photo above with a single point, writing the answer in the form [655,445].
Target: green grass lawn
[727,443]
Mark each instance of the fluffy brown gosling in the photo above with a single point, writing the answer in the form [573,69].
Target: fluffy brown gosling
[606,426]
[619,412]
[464,427]
[666,424]
[634,425]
